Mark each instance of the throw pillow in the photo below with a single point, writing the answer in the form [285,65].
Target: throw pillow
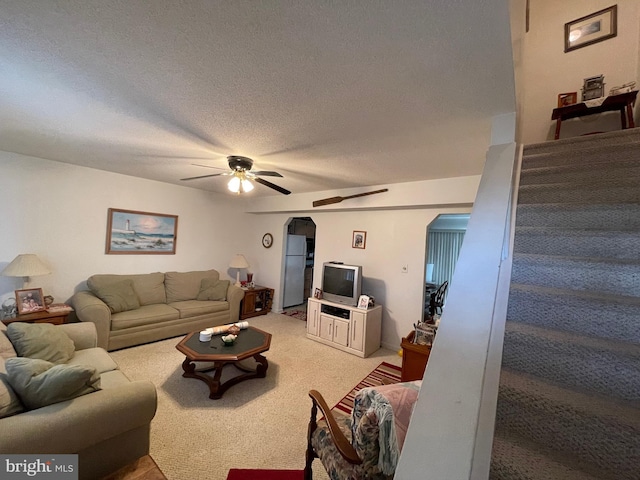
[119,296]
[39,383]
[211,289]
[41,340]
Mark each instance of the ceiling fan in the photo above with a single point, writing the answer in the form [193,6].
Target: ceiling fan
[240,171]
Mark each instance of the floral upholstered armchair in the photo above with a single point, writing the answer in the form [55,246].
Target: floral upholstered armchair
[367,443]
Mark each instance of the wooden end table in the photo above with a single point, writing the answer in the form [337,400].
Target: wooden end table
[56,318]
[414,359]
[622,103]
[251,342]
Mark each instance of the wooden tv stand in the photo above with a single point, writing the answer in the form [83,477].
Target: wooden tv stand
[351,329]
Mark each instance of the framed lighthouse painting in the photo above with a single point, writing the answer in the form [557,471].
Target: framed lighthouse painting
[132,232]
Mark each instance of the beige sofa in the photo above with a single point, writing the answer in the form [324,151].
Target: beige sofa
[163,305]
[108,428]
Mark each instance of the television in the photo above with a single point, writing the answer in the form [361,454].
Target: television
[341,283]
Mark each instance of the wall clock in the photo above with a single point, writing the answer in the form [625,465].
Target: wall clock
[267,240]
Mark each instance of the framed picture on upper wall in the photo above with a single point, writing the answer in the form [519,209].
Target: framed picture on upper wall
[590,29]
[359,239]
[133,232]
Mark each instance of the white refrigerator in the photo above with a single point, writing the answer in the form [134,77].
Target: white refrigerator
[295,262]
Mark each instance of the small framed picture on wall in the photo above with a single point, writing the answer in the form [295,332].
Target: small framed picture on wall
[359,239]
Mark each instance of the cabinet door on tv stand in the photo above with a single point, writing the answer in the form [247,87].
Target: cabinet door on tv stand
[357,331]
[313,317]
[326,327]
[341,332]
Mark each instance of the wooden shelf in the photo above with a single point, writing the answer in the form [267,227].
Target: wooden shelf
[256,301]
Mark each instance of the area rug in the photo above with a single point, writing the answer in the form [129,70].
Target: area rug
[299,314]
[383,371]
[244,474]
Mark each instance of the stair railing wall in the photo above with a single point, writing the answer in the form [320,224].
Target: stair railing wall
[451,429]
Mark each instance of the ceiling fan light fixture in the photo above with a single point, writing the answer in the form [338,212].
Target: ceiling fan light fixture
[247,186]
[234,184]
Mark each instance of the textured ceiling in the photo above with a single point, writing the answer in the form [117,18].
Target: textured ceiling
[330,94]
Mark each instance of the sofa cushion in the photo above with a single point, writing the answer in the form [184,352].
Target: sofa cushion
[147,315]
[148,286]
[182,286]
[41,340]
[119,296]
[6,347]
[40,383]
[193,308]
[9,402]
[211,289]
[97,358]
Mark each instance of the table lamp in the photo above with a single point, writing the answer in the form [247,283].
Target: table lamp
[238,262]
[25,265]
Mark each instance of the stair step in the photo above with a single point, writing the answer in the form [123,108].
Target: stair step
[604,140]
[590,243]
[619,191]
[607,170]
[612,276]
[587,312]
[518,461]
[588,156]
[612,216]
[606,367]
[597,431]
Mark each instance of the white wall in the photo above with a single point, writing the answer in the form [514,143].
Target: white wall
[59,212]
[543,70]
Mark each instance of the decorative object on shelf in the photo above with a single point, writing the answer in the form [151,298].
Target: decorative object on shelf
[425,334]
[133,232]
[332,200]
[359,239]
[250,283]
[593,88]
[229,339]
[8,308]
[25,265]
[566,99]
[238,262]
[59,307]
[363,302]
[234,330]
[590,29]
[317,294]
[30,300]
[267,240]
[626,88]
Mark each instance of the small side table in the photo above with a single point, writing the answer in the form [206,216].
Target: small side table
[256,301]
[414,359]
[56,318]
[622,103]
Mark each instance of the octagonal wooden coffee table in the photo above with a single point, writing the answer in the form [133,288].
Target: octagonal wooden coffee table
[251,342]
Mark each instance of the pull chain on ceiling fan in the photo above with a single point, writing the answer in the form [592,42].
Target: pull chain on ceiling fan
[242,176]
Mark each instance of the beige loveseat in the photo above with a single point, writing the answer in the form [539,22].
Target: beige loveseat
[108,427]
[156,305]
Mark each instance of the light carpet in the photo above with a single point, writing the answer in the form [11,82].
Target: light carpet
[259,423]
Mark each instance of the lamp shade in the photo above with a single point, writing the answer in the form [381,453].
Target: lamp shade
[239,262]
[25,265]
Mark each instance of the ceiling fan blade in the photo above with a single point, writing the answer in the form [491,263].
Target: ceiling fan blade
[204,176]
[332,200]
[207,166]
[271,185]
[267,173]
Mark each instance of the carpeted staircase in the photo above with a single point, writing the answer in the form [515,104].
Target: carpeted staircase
[569,398]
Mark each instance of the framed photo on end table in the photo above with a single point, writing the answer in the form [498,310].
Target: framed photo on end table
[30,300]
